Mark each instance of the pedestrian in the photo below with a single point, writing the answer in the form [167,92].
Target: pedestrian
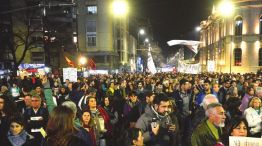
[156,123]
[209,131]
[61,130]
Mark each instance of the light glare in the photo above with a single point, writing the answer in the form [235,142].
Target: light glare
[226,8]
[120,8]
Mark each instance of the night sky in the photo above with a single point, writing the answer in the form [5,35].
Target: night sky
[172,19]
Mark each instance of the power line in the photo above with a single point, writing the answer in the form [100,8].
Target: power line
[39,5]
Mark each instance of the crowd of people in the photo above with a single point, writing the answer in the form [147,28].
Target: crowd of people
[130,109]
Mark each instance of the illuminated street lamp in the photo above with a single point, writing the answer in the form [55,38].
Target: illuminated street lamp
[142,31]
[120,8]
[146,40]
[82,60]
[198,28]
[226,8]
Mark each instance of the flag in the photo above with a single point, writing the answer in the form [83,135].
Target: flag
[91,64]
[150,63]
[69,62]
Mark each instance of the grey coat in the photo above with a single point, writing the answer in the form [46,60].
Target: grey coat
[163,137]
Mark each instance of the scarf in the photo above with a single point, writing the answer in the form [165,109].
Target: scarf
[17,140]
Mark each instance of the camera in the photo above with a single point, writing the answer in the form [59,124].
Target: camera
[154,122]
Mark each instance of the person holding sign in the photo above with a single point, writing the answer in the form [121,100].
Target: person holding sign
[254,116]
[238,127]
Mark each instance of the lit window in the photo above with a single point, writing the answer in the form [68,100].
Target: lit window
[260,57]
[238,56]
[238,26]
[92,9]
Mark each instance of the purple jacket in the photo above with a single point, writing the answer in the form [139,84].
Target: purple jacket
[244,103]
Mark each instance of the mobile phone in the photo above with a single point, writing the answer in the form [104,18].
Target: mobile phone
[154,122]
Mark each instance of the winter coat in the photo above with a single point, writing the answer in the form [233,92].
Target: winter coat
[254,119]
[203,135]
[163,138]
[28,139]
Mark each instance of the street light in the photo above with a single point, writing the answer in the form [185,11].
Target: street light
[225,9]
[140,32]
[82,60]
[120,8]
[146,40]
[198,28]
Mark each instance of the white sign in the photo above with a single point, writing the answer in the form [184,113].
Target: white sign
[189,68]
[94,72]
[70,73]
[211,66]
[244,141]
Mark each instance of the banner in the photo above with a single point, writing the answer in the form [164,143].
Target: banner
[70,73]
[150,63]
[188,68]
[244,141]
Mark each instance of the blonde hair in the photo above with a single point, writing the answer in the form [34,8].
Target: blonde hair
[251,103]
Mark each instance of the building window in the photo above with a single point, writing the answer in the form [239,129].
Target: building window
[91,33]
[260,57]
[91,9]
[38,57]
[260,25]
[238,56]
[91,41]
[238,25]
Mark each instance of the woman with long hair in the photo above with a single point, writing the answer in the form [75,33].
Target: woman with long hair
[88,124]
[7,109]
[61,130]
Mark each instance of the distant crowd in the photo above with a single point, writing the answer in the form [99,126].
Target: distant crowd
[130,109]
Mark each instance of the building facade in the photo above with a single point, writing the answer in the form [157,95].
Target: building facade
[233,44]
[102,36]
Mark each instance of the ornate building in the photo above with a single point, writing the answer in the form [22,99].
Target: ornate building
[233,43]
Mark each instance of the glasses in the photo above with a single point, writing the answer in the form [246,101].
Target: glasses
[35,100]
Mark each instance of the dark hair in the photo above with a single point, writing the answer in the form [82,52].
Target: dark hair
[207,81]
[132,93]
[60,127]
[160,97]
[248,89]
[131,134]
[149,93]
[17,118]
[90,122]
[9,106]
[234,122]
[182,81]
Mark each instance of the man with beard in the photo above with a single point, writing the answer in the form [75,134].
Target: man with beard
[223,92]
[157,127]
[209,131]
[207,90]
